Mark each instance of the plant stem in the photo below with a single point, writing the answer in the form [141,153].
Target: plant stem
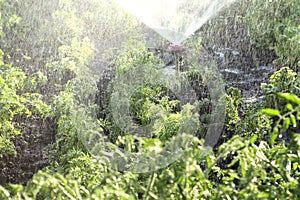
[152,180]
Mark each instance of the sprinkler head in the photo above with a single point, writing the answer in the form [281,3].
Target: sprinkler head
[174,48]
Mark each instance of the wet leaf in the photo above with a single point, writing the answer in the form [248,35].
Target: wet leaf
[289,107]
[270,112]
[287,123]
[274,136]
[290,97]
[293,120]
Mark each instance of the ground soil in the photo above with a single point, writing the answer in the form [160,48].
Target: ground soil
[31,146]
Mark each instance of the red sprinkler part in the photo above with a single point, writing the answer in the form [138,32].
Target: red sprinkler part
[174,48]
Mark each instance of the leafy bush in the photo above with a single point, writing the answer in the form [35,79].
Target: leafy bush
[275,24]
[234,101]
[255,171]
[241,168]
[284,80]
[288,47]
[286,119]
[13,102]
[244,166]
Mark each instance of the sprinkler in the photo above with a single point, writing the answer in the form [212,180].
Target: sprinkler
[176,50]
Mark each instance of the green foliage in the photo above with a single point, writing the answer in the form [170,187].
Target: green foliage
[13,100]
[143,103]
[271,18]
[143,97]
[234,101]
[275,25]
[258,171]
[288,47]
[255,171]
[244,166]
[282,99]
[27,39]
[287,119]
[135,58]
[272,25]
[151,104]
[71,61]
[284,80]
[12,103]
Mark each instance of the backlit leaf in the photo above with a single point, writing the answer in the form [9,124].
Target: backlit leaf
[291,97]
[270,112]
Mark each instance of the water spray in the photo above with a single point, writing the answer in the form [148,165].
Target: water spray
[174,20]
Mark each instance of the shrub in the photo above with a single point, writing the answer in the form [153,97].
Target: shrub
[275,25]
[13,102]
[284,80]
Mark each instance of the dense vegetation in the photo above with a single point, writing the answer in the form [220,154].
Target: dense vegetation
[51,53]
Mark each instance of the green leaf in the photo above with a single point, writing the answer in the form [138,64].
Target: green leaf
[4,192]
[263,195]
[293,120]
[295,166]
[289,107]
[15,188]
[287,123]
[253,139]
[274,136]
[270,112]
[290,97]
